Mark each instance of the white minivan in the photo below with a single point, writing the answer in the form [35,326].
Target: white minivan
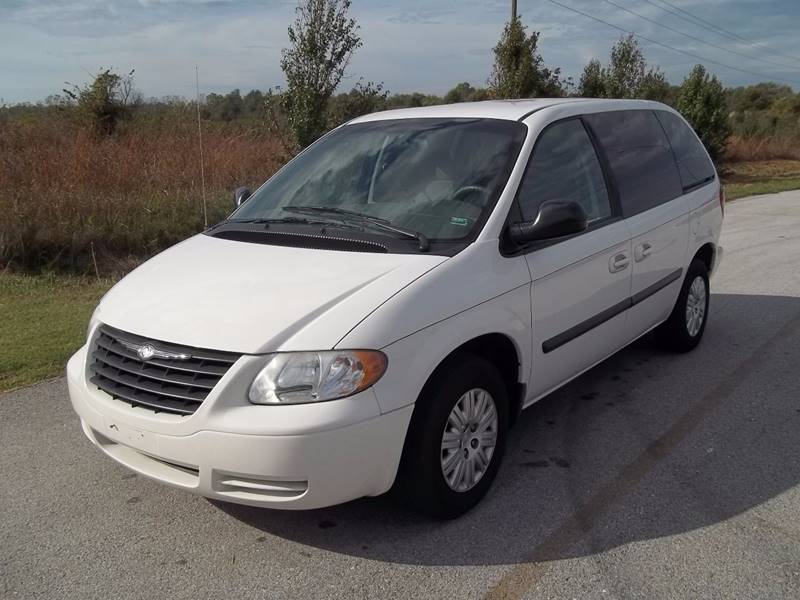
[377,314]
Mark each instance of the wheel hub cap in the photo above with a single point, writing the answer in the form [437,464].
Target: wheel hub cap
[469,440]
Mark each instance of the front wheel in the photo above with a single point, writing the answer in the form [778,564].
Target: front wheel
[684,328]
[456,438]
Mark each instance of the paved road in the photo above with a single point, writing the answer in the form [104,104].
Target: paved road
[652,476]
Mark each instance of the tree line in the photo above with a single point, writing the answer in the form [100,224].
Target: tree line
[324,37]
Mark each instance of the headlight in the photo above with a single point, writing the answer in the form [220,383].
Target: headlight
[300,377]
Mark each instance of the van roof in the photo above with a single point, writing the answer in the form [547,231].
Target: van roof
[511,110]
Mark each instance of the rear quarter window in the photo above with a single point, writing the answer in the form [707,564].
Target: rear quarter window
[694,165]
[640,157]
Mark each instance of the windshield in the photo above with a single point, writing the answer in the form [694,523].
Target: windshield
[436,177]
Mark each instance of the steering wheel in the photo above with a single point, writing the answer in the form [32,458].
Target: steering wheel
[466,189]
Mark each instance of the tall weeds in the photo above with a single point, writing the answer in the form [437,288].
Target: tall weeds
[753,148]
[64,189]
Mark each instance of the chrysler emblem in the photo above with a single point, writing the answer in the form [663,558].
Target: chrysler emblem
[146,352]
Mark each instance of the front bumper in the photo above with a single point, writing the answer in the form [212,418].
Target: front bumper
[281,466]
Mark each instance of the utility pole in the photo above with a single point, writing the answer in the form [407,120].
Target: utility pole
[513,10]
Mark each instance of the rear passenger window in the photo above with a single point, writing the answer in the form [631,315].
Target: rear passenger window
[640,156]
[564,166]
[694,165]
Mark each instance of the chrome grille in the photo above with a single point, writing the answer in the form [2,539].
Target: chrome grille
[160,384]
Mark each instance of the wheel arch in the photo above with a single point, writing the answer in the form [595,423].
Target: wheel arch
[501,351]
[706,253]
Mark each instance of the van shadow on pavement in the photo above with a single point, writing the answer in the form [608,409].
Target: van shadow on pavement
[645,445]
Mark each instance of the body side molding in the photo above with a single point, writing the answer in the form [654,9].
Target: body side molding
[585,326]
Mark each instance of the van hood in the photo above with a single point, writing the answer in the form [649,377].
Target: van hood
[253,298]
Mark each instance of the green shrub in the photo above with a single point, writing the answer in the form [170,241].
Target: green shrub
[702,101]
[321,42]
[363,99]
[104,102]
[626,76]
[519,70]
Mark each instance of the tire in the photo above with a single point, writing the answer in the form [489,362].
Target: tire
[681,332]
[421,479]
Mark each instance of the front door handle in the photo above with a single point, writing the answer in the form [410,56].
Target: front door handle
[618,262]
[642,251]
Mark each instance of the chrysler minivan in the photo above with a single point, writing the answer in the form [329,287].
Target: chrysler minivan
[377,314]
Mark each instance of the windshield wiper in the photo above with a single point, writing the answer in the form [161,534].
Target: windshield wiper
[385,224]
[267,222]
[259,220]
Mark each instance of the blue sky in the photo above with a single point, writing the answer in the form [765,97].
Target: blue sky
[409,45]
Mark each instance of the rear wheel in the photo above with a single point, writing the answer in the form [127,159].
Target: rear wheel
[684,328]
[456,438]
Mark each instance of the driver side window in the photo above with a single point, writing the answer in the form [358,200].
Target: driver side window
[564,166]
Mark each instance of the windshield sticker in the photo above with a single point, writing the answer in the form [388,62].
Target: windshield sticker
[462,221]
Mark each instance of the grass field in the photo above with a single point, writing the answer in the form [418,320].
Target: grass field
[44,322]
[760,177]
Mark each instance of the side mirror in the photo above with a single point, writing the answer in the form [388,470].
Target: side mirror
[240,195]
[556,218]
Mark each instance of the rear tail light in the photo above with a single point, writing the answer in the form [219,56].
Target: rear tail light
[722,199]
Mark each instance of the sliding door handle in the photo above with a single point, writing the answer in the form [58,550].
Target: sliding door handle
[642,251]
[618,262]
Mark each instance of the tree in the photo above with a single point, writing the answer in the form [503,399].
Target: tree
[761,96]
[702,101]
[788,105]
[592,83]
[223,108]
[626,70]
[253,104]
[465,92]
[104,102]
[654,86]
[322,41]
[412,100]
[626,76]
[460,93]
[361,100]
[519,70]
